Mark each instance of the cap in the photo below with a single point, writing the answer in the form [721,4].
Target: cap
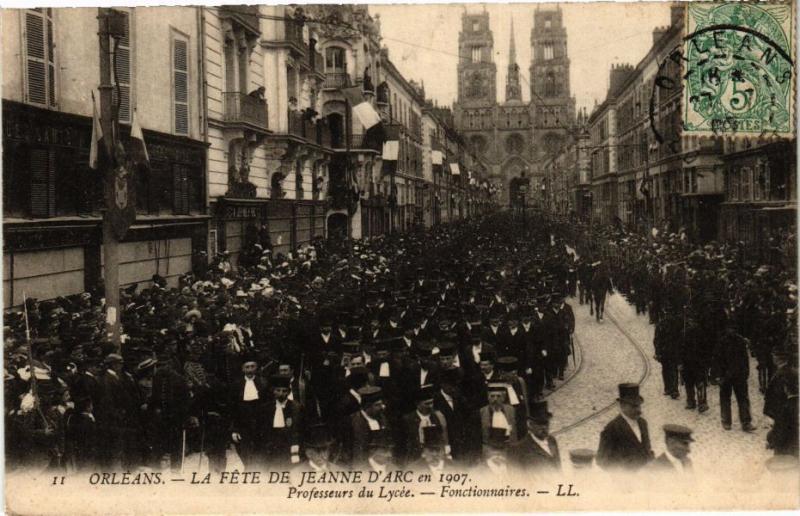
[581,456]
[678,432]
[507,363]
[629,392]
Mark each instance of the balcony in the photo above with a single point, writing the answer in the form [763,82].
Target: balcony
[302,127]
[293,34]
[336,80]
[241,108]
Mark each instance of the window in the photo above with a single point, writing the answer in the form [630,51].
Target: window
[548,24]
[334,59]
[40,68]
[180,83]
[548,51]
[550,85]
[123,72]
[298,179]
[476,54]
[476,26]
[746,173]
[181,189]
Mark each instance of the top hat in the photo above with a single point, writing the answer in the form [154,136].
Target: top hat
[629,392]
[433,436]
[280,380]
[497,438]
[317,436]
[370,394]
[538,412]
[507,363]
[425,393]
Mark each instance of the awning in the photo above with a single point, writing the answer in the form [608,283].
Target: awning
[436,157]
[454,170]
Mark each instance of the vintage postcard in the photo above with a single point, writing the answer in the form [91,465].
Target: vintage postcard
[407,258]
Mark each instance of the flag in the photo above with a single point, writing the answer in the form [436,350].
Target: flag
[437,158]
[97,137]
[454,170]
[363,110]
[138,150]
[391,150]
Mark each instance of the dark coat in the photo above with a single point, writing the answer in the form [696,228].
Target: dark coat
[486,421]
[81,441]
[456,419]
[358,449]
[528,455]
[619,447]
[281,443]
[412,446]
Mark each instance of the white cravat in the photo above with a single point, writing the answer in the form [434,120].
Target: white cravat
[634,426]
[383,372]
[325,338]
[407,341]
[448,399]
[542,444]
[423,422]
[456,362]
[376,467]
[476,353]
[514,331]
[373,423]
[512,396]
[250,391]
[423,375]
[279,421]
[499,420]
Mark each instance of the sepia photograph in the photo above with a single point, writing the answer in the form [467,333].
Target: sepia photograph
[407,258]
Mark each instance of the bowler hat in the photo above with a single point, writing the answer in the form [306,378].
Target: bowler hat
[629,392]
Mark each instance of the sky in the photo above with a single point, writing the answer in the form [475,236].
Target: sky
[423,42]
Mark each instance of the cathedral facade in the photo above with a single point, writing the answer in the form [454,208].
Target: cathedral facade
[514,137]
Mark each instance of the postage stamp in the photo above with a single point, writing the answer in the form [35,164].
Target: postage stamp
[739,69]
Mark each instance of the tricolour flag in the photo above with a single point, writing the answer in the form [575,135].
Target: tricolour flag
[362,109]
[97,137]
[391,150]
[138,150]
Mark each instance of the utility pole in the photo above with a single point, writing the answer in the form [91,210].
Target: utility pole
[110,25]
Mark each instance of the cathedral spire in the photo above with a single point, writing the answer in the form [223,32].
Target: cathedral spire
[513,90]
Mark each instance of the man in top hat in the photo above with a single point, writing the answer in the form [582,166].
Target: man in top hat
[371,418]
[517,390]
[282,424]
[497,413]
[731,368]
[538,450]
[317,443]
[249,393]
[676,458]
[625,440]
[380,458]
[495,459]
[434,458]
[413,423]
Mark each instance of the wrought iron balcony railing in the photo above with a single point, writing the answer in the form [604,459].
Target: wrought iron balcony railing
[243,108]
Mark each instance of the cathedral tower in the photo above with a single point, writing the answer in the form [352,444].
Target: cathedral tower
[552,106]
[477,71]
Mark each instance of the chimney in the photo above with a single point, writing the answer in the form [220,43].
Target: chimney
[619,74]
[676,13]
[658,33]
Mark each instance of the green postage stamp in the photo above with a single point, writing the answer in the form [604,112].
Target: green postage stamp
[739,69]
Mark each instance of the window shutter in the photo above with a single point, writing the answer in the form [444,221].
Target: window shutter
[181,190]
[180,70]
[40,67]
[43,183]
[122,73]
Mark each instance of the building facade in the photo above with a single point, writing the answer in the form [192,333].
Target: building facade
[52,199]
[515,137]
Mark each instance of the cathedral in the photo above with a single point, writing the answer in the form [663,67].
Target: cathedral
[514,137]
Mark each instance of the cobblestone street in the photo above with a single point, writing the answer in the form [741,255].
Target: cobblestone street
[609,357]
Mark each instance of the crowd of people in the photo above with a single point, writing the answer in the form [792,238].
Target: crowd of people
[420,350]
[714,308]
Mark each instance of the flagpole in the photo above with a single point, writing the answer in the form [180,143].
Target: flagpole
[110,242]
